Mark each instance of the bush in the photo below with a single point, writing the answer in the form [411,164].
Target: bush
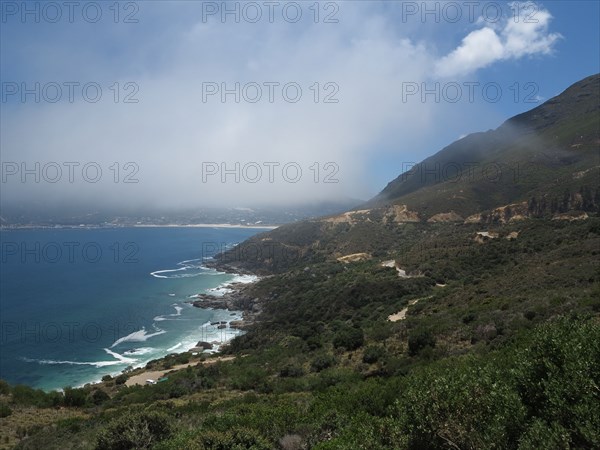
[541,435]
[4,388]
[121,379]
[135,431]
[349,338]
[372,354]
[251,378]
[322,362]
[25,395]
[237,438]
[462,404]
[291,370]
[419,340]
[182,358]
[558,378]
[74,397]
[541,392]
[5,410]
[99,397]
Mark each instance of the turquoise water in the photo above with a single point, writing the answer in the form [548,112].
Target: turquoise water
[76,304]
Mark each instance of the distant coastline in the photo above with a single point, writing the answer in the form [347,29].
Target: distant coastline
[143,225]
[205,225]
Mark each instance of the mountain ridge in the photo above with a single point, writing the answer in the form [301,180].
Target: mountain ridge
[542,163]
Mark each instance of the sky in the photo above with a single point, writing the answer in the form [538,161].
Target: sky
[184,104]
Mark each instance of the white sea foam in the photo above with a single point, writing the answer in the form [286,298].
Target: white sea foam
[140,351]
[175,347]
[177,313]
[225,288]
[71,363]
[138,336]
[194,267]
[245,279]
[119,359]
[220,290]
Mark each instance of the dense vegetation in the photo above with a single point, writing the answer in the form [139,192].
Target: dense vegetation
[500,350]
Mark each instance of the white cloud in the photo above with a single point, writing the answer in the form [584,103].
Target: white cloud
[523,34]
[171,132]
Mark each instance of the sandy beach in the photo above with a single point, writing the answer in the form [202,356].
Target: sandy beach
[154,375]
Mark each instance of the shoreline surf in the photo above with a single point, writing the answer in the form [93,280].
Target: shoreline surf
[141,312]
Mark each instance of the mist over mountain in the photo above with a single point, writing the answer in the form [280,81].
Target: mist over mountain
[544,163]
[540,152]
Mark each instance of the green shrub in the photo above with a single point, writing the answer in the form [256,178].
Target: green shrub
[349,338]
[419,340]
[25,395]
[5,410]
[121,379]
[75,396]
[182,358]
[99,397]
[291,370]
[372,354]
[460,404]
[4,388]
[541,435]
[237,438]
[135,431]
[251,378]
[558,377]
[322,362]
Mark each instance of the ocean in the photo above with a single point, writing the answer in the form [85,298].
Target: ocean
[77,304]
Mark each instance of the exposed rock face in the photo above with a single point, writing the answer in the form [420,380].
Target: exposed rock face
[445,217]
[355,257]
[575,215]
[400,214]
[209,301]
[504,214]
[482,237]
[350,217]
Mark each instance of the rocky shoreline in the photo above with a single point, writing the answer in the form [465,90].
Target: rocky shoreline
[239,299]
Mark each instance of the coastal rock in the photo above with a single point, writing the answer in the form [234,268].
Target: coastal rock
[204,345]
[238,299]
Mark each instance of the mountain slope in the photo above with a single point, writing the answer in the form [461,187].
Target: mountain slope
[542,163]
[536,152]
